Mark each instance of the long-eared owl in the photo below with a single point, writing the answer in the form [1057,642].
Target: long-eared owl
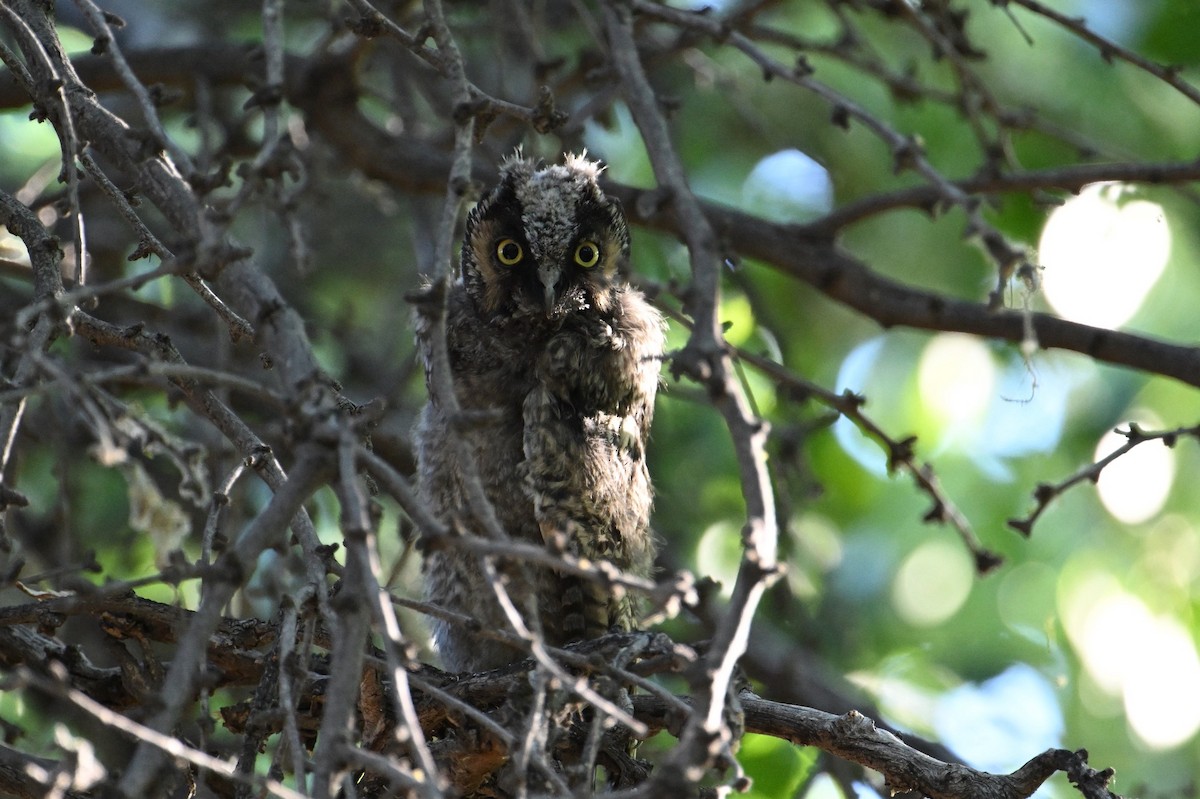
[555,361]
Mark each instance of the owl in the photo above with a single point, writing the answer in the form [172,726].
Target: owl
[555,361]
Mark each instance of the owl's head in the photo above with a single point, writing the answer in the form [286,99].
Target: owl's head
[545,242]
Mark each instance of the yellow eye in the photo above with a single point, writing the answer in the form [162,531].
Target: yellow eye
[587,254]
[509,252]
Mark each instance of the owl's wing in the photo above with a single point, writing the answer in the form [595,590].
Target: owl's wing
[642,331]
[423,328]
[486,361]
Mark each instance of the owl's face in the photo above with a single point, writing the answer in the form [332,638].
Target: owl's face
[546,242]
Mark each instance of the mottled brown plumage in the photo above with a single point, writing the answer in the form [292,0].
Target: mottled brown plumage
[556,359]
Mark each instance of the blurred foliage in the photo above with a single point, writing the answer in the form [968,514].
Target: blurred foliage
[858,550]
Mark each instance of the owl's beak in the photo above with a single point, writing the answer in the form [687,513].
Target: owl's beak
[549,274]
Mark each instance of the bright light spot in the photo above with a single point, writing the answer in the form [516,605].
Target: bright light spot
[12,248]
[1149,661]
[1025,416]
[1102,255]
[995,725]
[788,186]
[817,552]
[854,375]
[902,700]
[864,571]
[88,769]
[1134,487]
[737,318]
[1162,702]
[932,583]
[1112,659]
[719,554]
[30,143]
[621,147]
[818,541]
[1120,21]
[710,6]
[957,381]
[1172,551]
[823,787]
[950,390]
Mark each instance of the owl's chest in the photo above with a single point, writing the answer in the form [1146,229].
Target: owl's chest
[499,363]
[493,370]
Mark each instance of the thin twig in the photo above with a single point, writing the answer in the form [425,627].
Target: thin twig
[1109,49]
[907,151]
[147,736]
[107,40]
[1046,493]
[184,673]
[705,737]
[357,521]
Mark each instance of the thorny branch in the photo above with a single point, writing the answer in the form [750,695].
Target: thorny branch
[1045,493]
[907,153]
[901,452]
[1110,50]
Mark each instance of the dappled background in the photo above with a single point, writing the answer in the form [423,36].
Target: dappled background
[1086,635]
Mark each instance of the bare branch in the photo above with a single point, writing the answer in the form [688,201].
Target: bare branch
[149,737]
[707,735]
[230,568]
[1110,50]
[1045,493]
